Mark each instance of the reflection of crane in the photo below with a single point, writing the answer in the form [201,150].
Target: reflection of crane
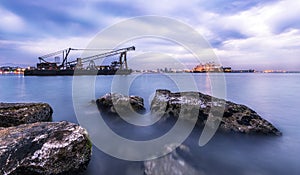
[79,62]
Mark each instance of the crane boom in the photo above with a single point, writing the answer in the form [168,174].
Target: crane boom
[65,52]
[106,54]
[53,54]
[122,59]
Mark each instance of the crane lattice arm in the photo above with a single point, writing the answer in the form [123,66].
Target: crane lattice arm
[65,53]
[107,54]
[79,61]
[122,60]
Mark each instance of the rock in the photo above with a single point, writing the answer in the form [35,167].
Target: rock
[236,117]
[14,114]
[44,148]
[174,163]
[114,103]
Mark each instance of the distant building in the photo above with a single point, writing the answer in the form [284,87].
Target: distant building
[210,67]
[166,69]
[9,69]
[227,69]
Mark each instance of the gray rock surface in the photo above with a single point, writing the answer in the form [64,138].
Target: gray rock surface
[173,163]
[14,114]
[44,148]
[236,117]
[114,103]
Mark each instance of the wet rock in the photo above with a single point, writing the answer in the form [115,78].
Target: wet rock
[114,103]
[14,114]
[174,163]
[44,148]
[191,105]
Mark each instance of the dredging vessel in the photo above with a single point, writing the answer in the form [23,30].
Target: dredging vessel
[75,67]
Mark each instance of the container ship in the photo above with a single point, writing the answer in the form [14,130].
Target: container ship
[210,67]
[216,68]
[75,67]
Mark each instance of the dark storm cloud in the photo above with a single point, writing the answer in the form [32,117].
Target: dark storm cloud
[44,18]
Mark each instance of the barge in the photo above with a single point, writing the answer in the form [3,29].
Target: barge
[70,68]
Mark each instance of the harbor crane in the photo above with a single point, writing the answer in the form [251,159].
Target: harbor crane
[122,59]
[122,63]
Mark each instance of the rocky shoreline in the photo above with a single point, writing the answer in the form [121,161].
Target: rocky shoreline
[29,144]
[190,105]
[14,114]
[113,103]
[231,116]
[234,118]
[173,163]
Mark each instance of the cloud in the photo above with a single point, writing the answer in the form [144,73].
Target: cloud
[262,36]
[226,7]
[236,29]
[152,53]
[10,22]
[281,51]
[269,19]
[283,16]
[28,51]
[53,19]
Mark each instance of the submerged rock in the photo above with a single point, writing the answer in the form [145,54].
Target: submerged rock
[187,105]
[174,163]
[44,148]
[114,103]
[14,114]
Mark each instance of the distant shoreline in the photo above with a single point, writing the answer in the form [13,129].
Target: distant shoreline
[182,72]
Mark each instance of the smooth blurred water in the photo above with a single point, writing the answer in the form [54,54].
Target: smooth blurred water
[275,97]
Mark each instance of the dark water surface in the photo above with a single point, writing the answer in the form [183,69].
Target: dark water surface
[275,97]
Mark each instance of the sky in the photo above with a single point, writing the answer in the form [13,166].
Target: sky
[244,34]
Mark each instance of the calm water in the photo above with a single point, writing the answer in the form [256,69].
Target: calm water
[275,97]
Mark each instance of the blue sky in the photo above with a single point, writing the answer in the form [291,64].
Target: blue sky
[243,33]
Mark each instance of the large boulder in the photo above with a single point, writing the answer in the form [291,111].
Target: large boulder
[174,163]
[14,114]
[115,103]
[231,116]
[44,148]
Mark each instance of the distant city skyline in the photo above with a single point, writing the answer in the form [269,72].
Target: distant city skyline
[245,34]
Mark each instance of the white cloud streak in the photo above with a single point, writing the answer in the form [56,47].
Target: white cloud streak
[10,22]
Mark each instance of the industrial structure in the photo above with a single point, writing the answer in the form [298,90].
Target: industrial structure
[216,68]
[75,67]
[210,67]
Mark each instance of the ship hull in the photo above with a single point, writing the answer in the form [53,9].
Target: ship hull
[73,72]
